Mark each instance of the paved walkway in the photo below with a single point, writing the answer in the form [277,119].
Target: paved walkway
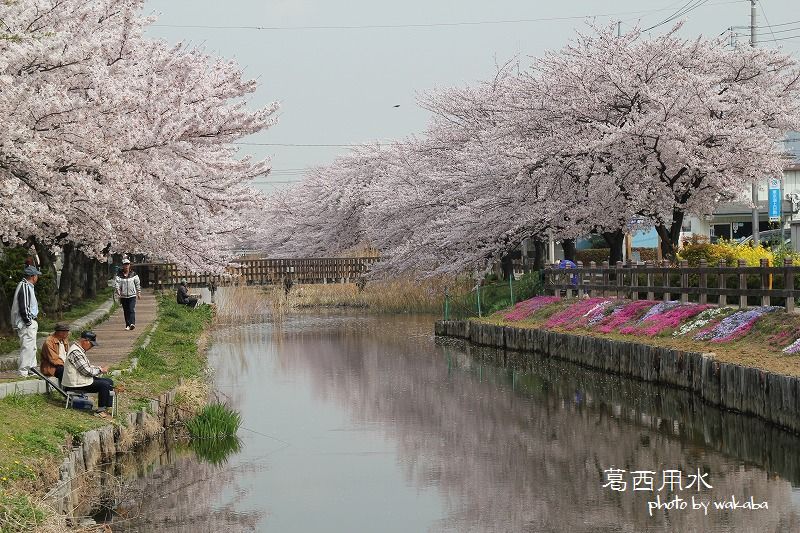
[115,343]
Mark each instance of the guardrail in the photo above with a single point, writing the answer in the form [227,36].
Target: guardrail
[706,284]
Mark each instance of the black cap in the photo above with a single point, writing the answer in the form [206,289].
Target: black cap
[62,327]
[89,336]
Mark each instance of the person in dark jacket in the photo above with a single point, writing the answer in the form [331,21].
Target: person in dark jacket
[183,295]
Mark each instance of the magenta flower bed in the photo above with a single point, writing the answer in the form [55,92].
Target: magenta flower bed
[573,315]
[624,314]
[526,308]
[653,324]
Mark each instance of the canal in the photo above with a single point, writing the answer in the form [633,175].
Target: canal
[365,423]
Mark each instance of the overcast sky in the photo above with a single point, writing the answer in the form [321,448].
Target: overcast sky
[338,81]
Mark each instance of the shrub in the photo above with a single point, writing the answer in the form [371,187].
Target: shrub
[598,255]
[728,251]
[215,421]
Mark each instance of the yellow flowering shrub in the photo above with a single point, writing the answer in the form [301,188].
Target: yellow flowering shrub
[728,251]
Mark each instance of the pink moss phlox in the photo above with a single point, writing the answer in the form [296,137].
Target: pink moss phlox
[526,308]
[623,314]
[573,315]
[670,319]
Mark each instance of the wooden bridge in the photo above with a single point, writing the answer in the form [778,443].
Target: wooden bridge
[260,272]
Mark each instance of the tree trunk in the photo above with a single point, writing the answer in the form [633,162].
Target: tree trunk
[670,235]
[507,266]
[569,249]
[539,254]
[615,240]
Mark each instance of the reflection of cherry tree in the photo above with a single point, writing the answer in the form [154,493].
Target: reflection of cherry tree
[526,459]
[116,142]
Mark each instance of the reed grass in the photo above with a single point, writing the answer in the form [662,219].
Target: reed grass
[215,421]
[247,304]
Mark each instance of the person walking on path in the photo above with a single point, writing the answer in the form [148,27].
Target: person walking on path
[128,290]
[24,311]
[54,352]
[80,375]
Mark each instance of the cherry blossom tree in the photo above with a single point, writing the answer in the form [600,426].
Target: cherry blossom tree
[682,124]
[115,142]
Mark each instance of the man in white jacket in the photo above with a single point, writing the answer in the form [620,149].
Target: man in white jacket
[128,289]
[24,311]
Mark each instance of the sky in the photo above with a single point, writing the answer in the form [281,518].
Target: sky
[339,69]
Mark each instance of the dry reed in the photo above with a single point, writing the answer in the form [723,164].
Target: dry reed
[242,304]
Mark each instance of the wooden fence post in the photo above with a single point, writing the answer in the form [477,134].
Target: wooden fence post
[606,268]
[593,280]
[723,299]
[665,267]
[703,282]
[684,281]
[581,276]
[788,284]
[634,280]
[620,281]
[765,281]
[742,283]
[568,280]
[651,295]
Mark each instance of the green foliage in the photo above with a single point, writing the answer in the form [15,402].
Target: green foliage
[18,514]
[528,286]
[215,421]
[785,251]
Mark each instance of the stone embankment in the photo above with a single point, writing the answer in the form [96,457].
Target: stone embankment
[769,396]
[82,470]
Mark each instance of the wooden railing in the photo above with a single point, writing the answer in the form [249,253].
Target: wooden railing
[706,284]
[260,272]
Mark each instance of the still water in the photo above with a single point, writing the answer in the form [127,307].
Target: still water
[359,423]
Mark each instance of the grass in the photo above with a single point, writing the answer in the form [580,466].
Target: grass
[171,356]
[47,323]
[18,513]
[241,304]
[214,421]
[35,430]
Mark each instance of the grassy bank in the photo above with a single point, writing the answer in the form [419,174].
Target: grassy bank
[760,346]
[35,430]
[47,323]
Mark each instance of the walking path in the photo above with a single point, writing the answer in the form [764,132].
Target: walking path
[115,343]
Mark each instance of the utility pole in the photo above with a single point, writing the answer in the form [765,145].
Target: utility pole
[619,28]
[756,239]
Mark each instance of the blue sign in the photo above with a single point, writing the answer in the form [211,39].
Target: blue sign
[774,199]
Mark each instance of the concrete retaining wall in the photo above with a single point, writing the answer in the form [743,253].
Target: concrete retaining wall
[84,463]
[771,397]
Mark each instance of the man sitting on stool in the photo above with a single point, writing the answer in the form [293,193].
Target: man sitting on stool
[54,352]
[183,295]
[80,375]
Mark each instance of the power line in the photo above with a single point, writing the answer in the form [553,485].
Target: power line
[436,24]
[687,8]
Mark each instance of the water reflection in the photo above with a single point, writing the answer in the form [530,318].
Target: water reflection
[362,423]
